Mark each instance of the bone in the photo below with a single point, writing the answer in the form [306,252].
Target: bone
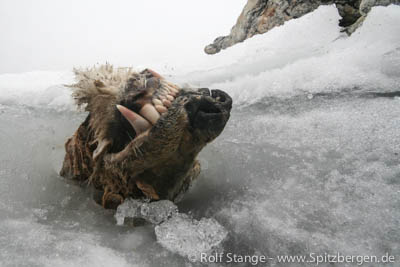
[161,108]
[157,102]
[149,112]
[138,123]
[167,103]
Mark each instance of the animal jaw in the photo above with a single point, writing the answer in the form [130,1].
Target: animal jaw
[142,134]
[260,16]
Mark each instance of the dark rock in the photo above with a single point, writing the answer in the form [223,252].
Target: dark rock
[260,16]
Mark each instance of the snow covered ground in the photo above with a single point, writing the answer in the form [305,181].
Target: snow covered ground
[309,162]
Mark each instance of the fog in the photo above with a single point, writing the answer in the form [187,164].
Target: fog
[57,35]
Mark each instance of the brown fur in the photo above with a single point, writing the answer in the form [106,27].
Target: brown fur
[159,163]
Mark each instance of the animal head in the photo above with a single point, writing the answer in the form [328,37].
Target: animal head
[124,104]
[142,133]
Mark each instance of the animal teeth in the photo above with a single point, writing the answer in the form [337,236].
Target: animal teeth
[165,88]
[162,92]
[165,91]
[167,103]
[171,91]
[173,86]
[157,102]
[155,74]
[138,123]
[150,113]
[169,87]
[170,98]
[161,108]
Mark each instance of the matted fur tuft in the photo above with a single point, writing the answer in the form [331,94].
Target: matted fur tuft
[101,80]
[99,89]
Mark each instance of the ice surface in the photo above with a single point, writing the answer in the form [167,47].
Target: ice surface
[153,212]
[309,161]
[188,237]
[177,232]
[30,243]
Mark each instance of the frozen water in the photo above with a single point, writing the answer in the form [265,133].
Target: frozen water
[153,212]
[179,233]
[188,237]
[309,161]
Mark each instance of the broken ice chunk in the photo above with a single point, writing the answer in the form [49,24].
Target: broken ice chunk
[177,232]
[189,237]
[153,212]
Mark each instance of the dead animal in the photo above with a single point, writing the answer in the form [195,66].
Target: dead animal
[142,134]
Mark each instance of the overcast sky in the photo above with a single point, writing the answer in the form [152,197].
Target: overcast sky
[59,34]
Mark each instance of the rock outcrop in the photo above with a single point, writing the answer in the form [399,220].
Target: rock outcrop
[260,16]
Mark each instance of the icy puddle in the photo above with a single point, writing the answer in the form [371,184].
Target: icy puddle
[286,177]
